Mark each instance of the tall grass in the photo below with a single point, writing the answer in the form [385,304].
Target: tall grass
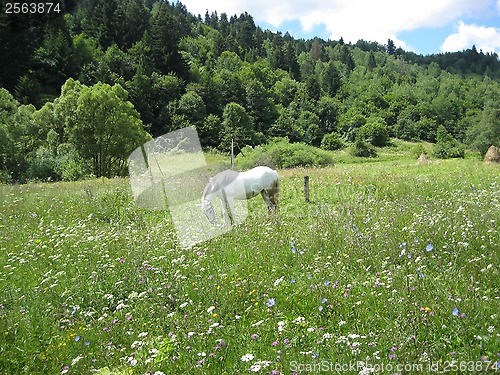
[389,265]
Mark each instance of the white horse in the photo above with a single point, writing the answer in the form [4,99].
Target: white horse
[230,185]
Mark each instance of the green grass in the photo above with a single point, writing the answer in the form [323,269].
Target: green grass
[381,257]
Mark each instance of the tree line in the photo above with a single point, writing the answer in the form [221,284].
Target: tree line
[81,89]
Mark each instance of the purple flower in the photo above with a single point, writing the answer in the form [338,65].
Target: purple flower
[324,300]
[270,302]
[455,311]
[429,247]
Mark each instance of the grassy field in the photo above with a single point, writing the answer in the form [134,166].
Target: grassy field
[391,268]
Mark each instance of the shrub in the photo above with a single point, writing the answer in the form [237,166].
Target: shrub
[332,142]
[375,132]
[446,146]
[283,154]
[363,149]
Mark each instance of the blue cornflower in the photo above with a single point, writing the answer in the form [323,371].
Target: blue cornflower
[320,308]
[77,338]
[455,311]
[429,247]
[324,300]
[270,302]
[292,281]
[326,283]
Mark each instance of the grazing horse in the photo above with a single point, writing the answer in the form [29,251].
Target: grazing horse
[230,185]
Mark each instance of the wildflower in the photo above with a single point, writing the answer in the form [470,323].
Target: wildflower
[281,326]
[429,247]
[247,357]
[76,360]
[278,281]
[255,367]
[320,308]
[270,302]
[292,281]
[455,311]
[77,338]
[326,283]
[255,336]
[324,300]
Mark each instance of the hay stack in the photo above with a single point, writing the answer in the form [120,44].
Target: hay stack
[492,156]
[423,159]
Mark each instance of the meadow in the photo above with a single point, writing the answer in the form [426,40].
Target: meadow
[390,268]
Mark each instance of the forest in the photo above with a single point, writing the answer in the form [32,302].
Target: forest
[81,88]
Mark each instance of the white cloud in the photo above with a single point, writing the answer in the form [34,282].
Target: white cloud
[371,20]
[484,38]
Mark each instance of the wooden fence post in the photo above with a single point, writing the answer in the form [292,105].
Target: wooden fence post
[306,188]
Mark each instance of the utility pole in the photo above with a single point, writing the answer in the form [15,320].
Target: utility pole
[232,152]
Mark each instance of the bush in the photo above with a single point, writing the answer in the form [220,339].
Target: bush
[283,154]
[375,132]
[42,165]
[446,146]
[363,149]
[69,165]
[332,142]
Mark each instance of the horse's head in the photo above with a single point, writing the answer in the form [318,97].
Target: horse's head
[208,209]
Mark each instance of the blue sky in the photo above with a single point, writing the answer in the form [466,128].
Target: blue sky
[423,26]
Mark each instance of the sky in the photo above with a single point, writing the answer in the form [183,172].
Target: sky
[422,26]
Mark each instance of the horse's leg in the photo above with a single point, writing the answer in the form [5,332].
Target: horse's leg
[223,202]
[271,197]
[227,202]
[230,203]
[267,199]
